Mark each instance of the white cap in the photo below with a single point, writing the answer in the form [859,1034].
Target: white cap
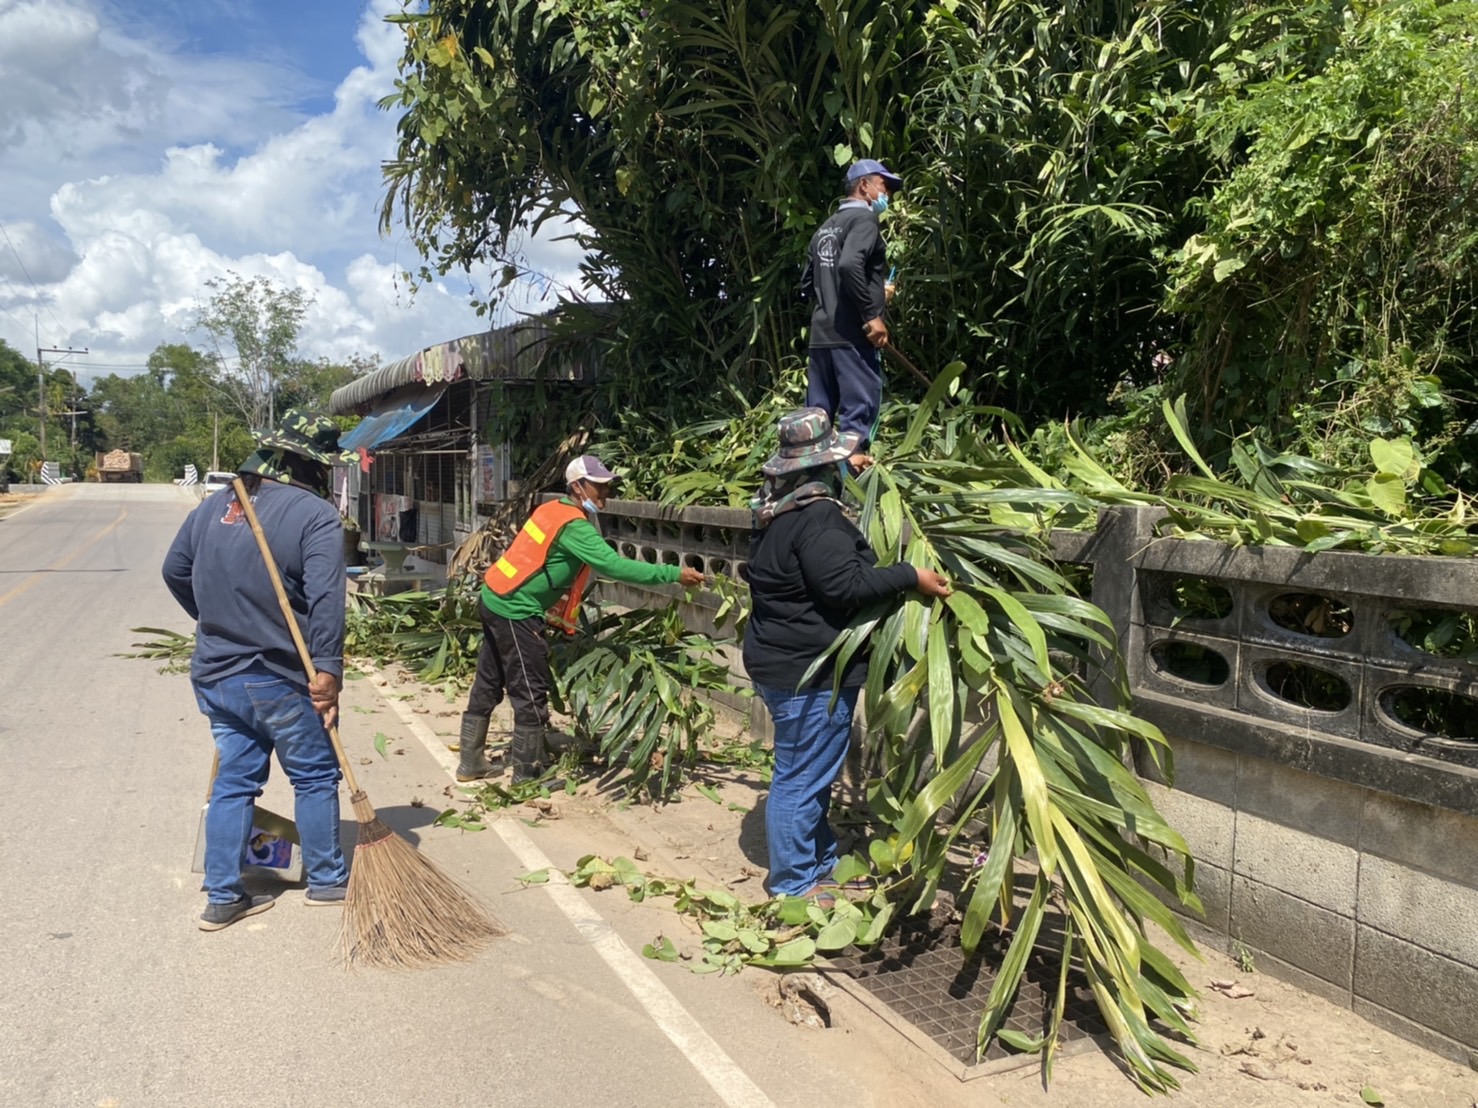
[588,467]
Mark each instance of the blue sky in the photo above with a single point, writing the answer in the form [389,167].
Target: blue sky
[146,148]
[314,38]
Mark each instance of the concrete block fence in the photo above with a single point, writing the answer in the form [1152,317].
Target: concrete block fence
[1335,843]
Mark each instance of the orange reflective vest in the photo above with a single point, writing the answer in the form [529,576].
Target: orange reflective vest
[527,555]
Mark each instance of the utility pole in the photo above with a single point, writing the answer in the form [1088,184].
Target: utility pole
[64,351]
[215,445]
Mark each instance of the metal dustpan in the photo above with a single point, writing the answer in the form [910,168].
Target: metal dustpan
[273,850]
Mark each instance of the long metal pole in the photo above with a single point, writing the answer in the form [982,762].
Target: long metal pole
[40,387]
[65,352]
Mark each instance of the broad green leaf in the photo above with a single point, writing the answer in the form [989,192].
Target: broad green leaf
[662,950]
[797,952]
[1388,493]
[1395,457]
[753,941]
[837,935]
[850,868]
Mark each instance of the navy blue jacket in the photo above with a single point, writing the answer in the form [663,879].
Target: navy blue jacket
[215,571]
[845,274]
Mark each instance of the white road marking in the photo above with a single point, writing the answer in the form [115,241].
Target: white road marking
[733,1086]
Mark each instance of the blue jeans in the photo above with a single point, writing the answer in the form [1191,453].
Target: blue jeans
[252,714]
[811,743]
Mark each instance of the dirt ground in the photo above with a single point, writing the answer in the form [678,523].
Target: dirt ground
[1263,1042]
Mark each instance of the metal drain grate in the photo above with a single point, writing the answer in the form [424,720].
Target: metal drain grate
[921,973]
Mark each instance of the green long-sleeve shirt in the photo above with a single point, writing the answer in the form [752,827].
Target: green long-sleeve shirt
[578,544]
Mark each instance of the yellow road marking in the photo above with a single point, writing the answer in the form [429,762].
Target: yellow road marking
[61,562]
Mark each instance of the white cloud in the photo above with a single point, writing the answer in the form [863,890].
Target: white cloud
[179,170]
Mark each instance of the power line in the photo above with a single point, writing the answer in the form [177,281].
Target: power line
[34,289]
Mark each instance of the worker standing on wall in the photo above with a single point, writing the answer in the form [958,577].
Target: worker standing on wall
[846,278]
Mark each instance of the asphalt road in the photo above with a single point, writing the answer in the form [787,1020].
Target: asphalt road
[112,997]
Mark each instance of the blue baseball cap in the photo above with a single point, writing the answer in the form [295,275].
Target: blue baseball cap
[868,167]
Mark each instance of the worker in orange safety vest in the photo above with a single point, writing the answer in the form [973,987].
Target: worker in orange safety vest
[538,581]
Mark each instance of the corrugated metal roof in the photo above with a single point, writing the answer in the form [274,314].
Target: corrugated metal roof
[511,352]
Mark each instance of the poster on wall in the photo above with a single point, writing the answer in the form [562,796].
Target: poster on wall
[488,487]
[389,508]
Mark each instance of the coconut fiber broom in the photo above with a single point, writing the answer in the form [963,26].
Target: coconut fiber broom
[400,909]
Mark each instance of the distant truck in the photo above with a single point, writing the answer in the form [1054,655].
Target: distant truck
[120,465]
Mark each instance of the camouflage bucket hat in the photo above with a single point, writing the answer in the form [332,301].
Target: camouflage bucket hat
[309,433]
[807,442]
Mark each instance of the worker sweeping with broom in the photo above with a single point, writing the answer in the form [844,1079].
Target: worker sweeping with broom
[270,681]
[246,672]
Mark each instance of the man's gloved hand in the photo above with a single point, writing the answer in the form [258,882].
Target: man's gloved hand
[876,331]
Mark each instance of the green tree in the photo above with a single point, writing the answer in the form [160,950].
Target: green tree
[1047,148]
[1332,290]
[253,325]
[17,385]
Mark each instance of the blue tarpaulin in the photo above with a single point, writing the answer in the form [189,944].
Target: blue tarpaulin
[391,418]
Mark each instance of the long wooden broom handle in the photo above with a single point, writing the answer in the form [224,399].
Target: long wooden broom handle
[292,620]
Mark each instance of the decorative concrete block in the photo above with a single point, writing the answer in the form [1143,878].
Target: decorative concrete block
[1307,866]
[1304,935]
[1439,841]
[1430,911]
[1318,805]
[1427,988]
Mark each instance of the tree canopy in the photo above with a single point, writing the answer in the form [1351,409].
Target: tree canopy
[1101,197]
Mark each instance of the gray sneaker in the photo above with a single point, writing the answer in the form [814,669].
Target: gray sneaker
[217,916]
[330,897]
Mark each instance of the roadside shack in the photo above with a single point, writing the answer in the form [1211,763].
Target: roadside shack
[444,438]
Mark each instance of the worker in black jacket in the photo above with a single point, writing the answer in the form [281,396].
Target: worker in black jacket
[810,571]
[846,278]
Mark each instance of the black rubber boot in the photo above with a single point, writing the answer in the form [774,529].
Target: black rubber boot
[473,764]
[528,756]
